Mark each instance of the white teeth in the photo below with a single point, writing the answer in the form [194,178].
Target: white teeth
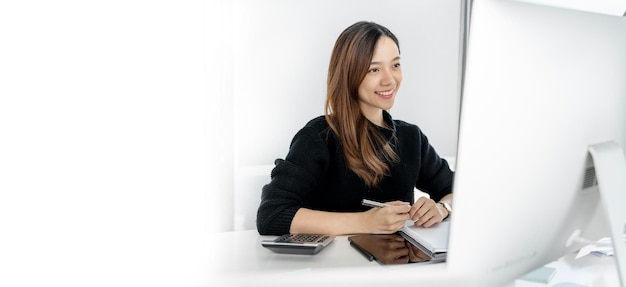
[387,93]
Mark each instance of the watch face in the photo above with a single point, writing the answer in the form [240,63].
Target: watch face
[446,206]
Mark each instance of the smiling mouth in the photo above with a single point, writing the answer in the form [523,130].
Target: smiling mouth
[385,93]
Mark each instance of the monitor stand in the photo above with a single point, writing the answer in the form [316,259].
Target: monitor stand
[610,164]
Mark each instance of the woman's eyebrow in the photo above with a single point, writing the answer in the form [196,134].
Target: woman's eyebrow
[378,63]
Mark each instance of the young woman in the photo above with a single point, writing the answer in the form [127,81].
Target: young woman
[357,151]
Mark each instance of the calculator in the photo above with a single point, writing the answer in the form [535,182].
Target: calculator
[299,243]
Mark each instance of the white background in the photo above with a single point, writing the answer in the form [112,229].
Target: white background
[102,143]
[123,124]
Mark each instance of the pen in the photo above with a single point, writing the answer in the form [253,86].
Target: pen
[372,203]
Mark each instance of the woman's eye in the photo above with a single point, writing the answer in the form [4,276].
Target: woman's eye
[373,70]
[396,65]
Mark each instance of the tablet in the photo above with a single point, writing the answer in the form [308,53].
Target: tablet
[391,249]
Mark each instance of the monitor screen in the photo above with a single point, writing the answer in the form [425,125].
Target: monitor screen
[542,85]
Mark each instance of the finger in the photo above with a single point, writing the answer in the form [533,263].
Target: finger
[418,212]
[395,238]
[423,219]
[413,212]
[419,202]
[396,245]
[412,254]
[400,252]
[391,238]
[426,205]
[422,256]
[430,220]
[426,208]
[400,260]
[417,206]
[434,220]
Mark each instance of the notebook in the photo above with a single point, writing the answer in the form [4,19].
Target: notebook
[433,240]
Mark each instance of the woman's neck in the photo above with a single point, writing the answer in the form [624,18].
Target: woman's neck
[374,115]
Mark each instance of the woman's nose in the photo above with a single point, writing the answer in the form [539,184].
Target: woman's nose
[387,78]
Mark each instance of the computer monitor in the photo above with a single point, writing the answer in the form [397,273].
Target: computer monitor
[541,86]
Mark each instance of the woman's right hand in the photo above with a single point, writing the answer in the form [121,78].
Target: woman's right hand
[388,219]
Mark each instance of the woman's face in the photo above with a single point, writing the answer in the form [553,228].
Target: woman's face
[381,83]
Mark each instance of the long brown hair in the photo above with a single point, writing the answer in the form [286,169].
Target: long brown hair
[366,151]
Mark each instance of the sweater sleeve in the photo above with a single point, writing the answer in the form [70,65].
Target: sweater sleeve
[292,179]
[435,176]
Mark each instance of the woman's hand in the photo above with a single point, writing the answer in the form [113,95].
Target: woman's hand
[387,220]
[426,212]
[416,254]
[388,248]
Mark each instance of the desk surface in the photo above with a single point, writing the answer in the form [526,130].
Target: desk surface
[239,259]
[242,252]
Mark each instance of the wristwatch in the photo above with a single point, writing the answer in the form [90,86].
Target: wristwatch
[447,207]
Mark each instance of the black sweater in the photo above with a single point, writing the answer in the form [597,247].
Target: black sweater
[314,175]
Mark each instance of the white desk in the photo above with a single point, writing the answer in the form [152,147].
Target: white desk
[238,259]
[241,251]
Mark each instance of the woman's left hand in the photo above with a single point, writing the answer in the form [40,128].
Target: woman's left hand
[426,212]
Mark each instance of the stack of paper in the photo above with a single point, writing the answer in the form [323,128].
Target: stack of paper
[602,248]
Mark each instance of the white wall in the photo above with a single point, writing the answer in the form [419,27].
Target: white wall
[282,49]
[609,7]
[277,54]
[102,179]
